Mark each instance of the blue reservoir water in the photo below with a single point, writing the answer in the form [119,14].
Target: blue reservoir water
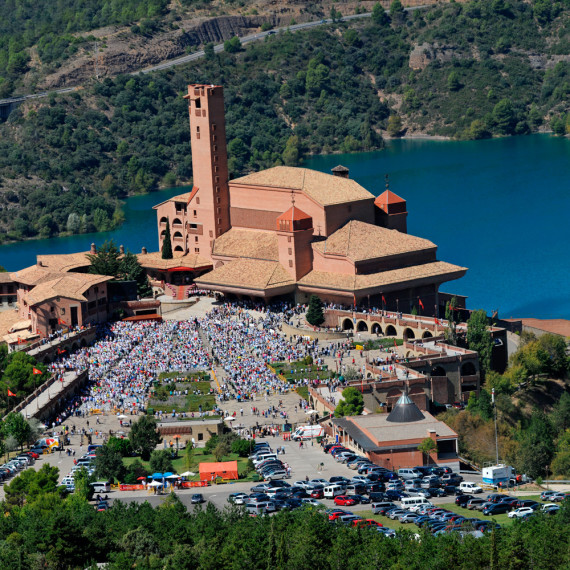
[499,207]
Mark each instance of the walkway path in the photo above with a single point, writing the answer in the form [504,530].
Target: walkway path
[51,392]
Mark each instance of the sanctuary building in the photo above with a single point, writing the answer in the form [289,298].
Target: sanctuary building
[289,232]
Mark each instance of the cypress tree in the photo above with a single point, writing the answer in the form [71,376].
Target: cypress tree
[166,243]
[315,315]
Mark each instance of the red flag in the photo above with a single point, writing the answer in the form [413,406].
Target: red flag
[383,299]
[11,393]
[437,322]
[21,340]
[61,322]
[395,343]
[421,304]
[37,371]
[354,300]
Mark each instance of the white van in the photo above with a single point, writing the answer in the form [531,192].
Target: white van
[414,503]
[470,487]
[332,491]
[101,487]
[308,432]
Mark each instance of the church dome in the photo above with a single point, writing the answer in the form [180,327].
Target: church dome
[405,411]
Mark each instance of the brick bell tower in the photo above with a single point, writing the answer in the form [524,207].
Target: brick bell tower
[208,210]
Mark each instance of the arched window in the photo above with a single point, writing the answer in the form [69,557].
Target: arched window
[391,331]
[362,326]
[427,334]
[163,220]
[177,235]
[347,325]
[178,248]
[409,333]
[468,369]
[376,329]
[176,222]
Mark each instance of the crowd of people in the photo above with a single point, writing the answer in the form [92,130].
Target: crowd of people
[125,360]
[129,356]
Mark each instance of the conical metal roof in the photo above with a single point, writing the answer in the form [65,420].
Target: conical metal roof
[405,411]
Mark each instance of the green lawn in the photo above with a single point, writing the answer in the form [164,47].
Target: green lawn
[303,391]
[190,376]
[299,370]
[164,402]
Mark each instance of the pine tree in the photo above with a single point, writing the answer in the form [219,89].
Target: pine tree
[315,315]
[167,243]
[131,270]
[106,260]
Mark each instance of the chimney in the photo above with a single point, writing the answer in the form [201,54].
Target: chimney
[143,250]
[122,249]
[93,249]
[340,171]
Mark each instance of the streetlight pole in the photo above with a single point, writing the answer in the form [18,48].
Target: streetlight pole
[495,414]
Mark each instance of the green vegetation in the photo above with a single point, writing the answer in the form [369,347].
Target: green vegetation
[49,26]
[17,375]
[144,436]
[67,161]
[124,267]
[377,343]
[166,251]
[533,412]
[303,391]
[479,338]
[315,314]
[198,399]
[352,403]
[301,369]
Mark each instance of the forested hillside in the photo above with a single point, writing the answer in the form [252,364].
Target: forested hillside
[464,71]
[49,25]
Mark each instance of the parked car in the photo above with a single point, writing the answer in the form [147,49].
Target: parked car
[366,523]
[344,500]
[362,499]
[495,509]
[545,495]
[408,518]
[518,513]
[395,513]
[237,498]
[335,513]
[462,500]
[451,478]
[527,503]
[197,498]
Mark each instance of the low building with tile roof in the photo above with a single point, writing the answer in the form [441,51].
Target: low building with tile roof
[288,231]
[391,439]
[52,295]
